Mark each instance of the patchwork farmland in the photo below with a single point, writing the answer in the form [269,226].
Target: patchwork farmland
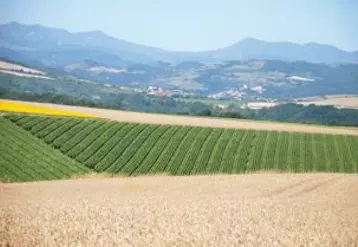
[173,210]
[135,149]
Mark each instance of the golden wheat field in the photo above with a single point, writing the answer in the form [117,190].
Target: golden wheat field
[20,107]
[239,210]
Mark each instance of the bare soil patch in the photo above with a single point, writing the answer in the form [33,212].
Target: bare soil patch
[260,105]
[237,210]
[139,117]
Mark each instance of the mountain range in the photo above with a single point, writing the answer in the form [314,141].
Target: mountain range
[57,48]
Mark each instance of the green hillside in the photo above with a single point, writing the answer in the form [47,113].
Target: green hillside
[133,149]
[23,157]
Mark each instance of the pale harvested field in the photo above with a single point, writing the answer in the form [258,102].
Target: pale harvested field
[200,121]
[24,74]
[241,210]
[343,102]
[260,105]
[17,67]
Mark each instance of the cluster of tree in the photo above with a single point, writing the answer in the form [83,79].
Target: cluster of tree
[326,115]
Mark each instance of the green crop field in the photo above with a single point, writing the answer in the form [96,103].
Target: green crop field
[23,157]
[134,149]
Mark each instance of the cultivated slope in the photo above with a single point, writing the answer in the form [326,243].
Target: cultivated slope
[23,157]
[133,149]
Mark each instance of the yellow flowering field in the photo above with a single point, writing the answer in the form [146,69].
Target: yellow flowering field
[11,106]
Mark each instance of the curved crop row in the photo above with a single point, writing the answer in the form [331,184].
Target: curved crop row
[143,150]
[132,149]
[166,156]
[216,156]
[156,151]
[206,150]
[24,157]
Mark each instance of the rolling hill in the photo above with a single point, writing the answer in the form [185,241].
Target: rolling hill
[137,149]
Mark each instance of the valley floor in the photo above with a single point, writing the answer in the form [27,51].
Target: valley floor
[221,210]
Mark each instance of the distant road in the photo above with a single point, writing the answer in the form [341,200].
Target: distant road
[127,116]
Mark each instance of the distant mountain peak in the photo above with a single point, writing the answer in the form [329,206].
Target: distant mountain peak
[94,32]
[250,39]
[54,43]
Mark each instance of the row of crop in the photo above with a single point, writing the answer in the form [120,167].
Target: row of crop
[62,140]
[109,148]
[15,168]
[182,150]
[11,173]
[143,149]
[228,139]
[228,160]
[40,149]
[50,138]
[332,154]
[131,149]
[98,142]
[243,152]
[41,125]
[346,154]
[352,146]
[256,152]
[30,159]
[118,145]
[90,138]
[268,159]
[320,161]
[31,121]
[51,128]
[78,137]
[155,153]
[306,150]
[217,154]
[167,155]
[190,159]
[23,121]
[207,148]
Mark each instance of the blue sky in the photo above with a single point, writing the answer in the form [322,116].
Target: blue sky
[195,25]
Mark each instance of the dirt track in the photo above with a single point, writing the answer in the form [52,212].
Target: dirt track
[240,210]
[198,121]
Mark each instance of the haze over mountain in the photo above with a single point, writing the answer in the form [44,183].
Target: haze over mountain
[55,47]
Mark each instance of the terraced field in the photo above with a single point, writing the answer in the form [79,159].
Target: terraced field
[23,157]
[134,149]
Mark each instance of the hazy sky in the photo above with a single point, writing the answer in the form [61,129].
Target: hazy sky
[197,24]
